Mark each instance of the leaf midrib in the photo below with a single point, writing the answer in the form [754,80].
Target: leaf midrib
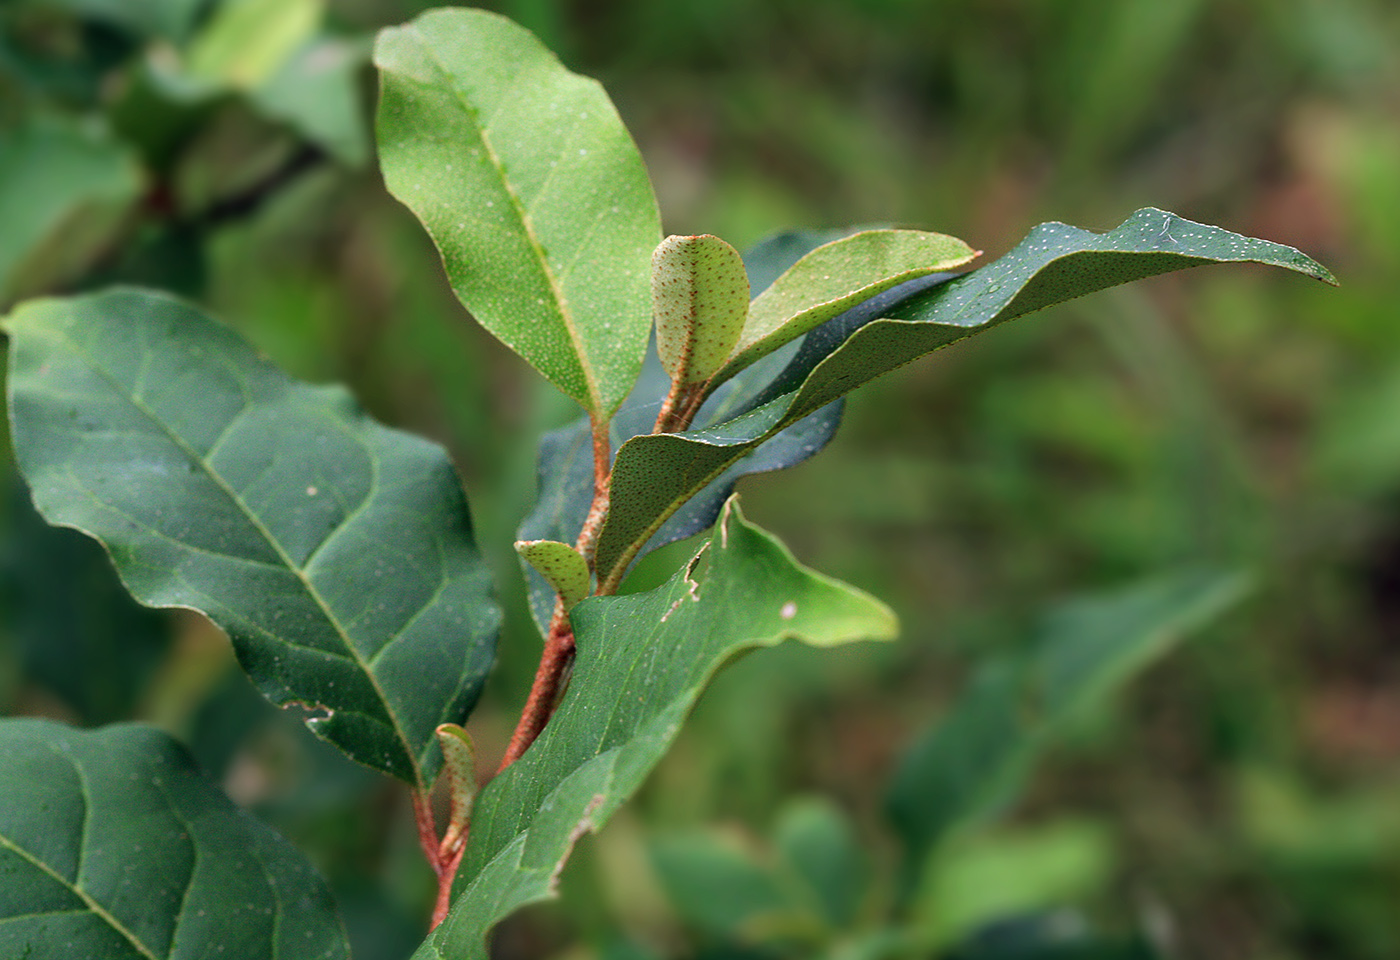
[252,518]
[526,224]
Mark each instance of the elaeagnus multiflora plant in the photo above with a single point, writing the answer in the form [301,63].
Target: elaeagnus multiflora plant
[338,554]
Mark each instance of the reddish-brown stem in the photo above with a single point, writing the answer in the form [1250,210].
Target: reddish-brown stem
[679,407]
[558,651]
[558,654]
[443,861]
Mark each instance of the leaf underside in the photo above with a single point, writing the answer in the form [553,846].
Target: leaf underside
[114,846]
[335,552]
[654,475]
[532,189]
[642,661]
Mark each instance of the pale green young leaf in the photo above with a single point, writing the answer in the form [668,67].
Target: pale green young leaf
[642,661]
[113,845]
[700,300]
[532,189]
[247,41]
[335,552]
[835,277]
[561,565]
[459,767]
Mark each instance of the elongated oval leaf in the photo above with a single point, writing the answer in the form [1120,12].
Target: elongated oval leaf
[835,277]
[113,845]
[642,662]
[655,475]
[336,553]
[532,190]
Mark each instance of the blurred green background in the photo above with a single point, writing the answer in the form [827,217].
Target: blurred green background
[1242,802]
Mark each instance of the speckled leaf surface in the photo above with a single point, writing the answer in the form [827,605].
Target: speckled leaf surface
[114,846]
[643,659]
[531,188]
[654,475]
[335,552]
[700,300]
[561,565]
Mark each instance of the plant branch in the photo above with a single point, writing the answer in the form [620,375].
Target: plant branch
[443,861]
[558,653]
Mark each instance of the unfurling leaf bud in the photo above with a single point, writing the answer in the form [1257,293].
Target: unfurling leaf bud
[700,300]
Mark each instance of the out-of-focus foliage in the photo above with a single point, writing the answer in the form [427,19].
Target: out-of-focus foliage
[1239,804]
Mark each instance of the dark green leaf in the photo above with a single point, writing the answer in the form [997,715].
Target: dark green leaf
[642,662]
[335,552]
[975,759]
[531,187]
[113,845]
[654,475]
[63,605]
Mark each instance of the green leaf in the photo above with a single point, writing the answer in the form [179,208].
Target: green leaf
[654,475]
[247,41]
[63,186]
[975,759]
[533,191]
[561,565]
[719,889]
[818,843]
[316,91]
[835,277]
[459,765]
[1004,874]
[642,661]
[336,553]
[113,845]
[700,299]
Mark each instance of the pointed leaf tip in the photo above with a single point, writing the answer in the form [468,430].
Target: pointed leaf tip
[700,300]
[561,565]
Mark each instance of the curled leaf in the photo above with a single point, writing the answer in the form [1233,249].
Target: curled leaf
[700,300]
[561,565]
[459,764]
